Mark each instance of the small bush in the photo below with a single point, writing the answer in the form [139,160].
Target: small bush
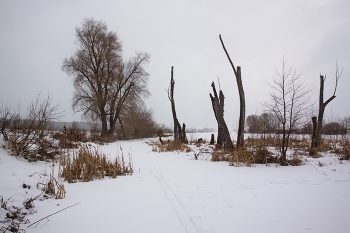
[262,155]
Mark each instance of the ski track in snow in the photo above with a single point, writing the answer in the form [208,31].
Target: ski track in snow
[178,207]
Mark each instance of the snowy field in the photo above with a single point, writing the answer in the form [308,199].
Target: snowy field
[172,192]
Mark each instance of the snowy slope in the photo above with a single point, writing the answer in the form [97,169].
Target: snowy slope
[171,192]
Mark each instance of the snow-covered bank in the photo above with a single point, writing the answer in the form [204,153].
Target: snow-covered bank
[171,192]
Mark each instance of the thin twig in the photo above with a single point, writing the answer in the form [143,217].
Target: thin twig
[53,214]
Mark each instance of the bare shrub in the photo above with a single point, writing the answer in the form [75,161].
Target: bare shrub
[95,133]
[75,133]
[28,137]
[263,156]
[5,119]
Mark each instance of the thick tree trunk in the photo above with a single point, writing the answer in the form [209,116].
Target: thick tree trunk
[104,130]
[212,139]
[240,132]
[316,139]
[314,126]
[183,134]
[240,135]
[223,137]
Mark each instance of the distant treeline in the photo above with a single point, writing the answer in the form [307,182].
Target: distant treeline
[268,123]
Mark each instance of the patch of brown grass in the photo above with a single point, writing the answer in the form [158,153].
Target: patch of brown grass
[344,153]
[313,153]
[296,159]
[169,146]
[89,164]
[220,154]
[241,157]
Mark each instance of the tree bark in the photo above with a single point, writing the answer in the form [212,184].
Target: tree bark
[223,137]
[183,134]
[212,139]
[179,134]
[240,132]
[122,127]
[316,139]
[104,129]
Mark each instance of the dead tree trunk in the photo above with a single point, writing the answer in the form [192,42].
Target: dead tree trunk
[179,134]
[223,137]
[183,134]
[317,126]
[240,133]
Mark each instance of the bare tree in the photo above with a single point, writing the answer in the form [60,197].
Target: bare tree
[317,122]
[179,133]
[240,133]
[223,137]
[288,102]
[103,82]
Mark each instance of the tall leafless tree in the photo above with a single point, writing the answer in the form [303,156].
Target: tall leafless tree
[223,137]
[289,102]
[318,121]
[103,81]
[240,133]
[179,133]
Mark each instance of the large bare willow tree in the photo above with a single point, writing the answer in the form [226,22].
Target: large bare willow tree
[104,83]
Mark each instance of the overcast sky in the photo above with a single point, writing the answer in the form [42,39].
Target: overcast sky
[35,37]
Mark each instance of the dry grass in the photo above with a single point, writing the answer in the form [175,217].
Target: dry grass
[267,140]
[296,159]
[220,154]
[241,157]
[89,164]
[168,146]
[343,152]
[313,153]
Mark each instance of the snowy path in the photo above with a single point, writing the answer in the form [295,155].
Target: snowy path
[170,192]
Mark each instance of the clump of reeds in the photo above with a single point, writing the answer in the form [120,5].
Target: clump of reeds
[241,157]
[168,146]
[90,163]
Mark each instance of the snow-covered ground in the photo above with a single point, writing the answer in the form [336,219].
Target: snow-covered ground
[172,192]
